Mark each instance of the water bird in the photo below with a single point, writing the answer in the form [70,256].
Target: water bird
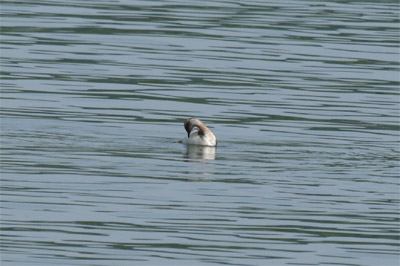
[199,133]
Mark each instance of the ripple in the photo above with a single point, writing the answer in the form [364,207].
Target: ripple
[302,96]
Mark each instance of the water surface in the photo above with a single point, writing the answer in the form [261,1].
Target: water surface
[303,96]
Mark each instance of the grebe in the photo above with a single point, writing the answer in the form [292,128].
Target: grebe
[198,133]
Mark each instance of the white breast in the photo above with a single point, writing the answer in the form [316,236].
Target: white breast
[205,140]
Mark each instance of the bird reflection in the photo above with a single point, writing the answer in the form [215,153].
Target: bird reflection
[196,152]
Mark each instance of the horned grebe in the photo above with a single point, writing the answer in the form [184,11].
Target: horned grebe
[198,133]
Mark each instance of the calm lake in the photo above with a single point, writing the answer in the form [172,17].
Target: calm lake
[302,95]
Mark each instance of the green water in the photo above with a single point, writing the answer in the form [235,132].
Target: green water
[303,96]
